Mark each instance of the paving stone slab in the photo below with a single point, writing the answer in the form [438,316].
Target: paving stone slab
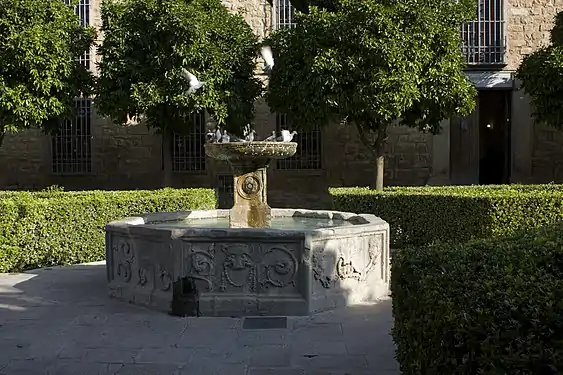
[78,335]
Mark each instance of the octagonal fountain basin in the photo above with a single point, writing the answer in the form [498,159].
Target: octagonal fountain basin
[192,264]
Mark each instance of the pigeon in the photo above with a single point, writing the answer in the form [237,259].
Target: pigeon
[250,136]
[211,137]
[268,57]
[286,136]
[271,138]
[195,84]
[225,138]
[218,135]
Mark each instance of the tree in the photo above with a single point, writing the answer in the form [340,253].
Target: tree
[40,76]
[373,64]
[148,42]
[541,74]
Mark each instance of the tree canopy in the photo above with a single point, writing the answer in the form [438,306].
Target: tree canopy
[40,76]
[541,74]
[148,42]
[373,64]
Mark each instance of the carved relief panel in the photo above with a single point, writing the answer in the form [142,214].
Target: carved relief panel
[350,258]
[242,267]
[131,266]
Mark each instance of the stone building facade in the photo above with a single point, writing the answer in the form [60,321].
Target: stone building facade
[498,143]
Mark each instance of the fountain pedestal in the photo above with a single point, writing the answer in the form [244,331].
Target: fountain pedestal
[249,162]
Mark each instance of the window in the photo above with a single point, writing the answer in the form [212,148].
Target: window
[225,191]
[71,144]
[484,41]
[283,14]
[308,155]
[82,10]
[188,153]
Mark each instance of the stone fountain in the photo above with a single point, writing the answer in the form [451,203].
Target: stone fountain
[250,260]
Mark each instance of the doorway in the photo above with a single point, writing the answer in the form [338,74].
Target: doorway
[494,137]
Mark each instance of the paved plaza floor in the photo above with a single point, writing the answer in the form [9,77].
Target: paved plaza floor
[60,321]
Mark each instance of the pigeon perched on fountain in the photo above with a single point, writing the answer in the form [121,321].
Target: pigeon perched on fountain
[250,136]
[218,134]
[210,136]
[194,83]
[286,136]
[225,138]
[271,138]
[268,57]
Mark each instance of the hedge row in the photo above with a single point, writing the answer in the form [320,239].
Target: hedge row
[422,215]
[490,306]
[54,227]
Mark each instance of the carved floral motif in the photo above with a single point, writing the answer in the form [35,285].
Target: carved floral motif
[248,186]
[143,276]
[202,264]
[124,254]
[282,272]
[165,278]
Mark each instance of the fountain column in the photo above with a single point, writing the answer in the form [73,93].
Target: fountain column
[250,209]
[249,162]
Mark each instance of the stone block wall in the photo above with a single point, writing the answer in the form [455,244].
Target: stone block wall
[529,23]
[528,27]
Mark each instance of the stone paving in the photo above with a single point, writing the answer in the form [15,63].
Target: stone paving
[60,321]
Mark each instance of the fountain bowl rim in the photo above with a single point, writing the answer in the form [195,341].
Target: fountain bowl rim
[142,224]
[250,150]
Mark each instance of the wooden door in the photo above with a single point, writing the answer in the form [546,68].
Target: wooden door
[464,148]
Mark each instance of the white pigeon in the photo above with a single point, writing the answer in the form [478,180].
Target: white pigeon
[225,138]
[272,137]
[268,57]
[195,84]
[210,137]
[250,136]
[218,134]
[286,136]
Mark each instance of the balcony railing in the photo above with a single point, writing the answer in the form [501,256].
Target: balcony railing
[484,40]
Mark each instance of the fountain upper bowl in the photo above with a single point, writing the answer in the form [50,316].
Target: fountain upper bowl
[250,150]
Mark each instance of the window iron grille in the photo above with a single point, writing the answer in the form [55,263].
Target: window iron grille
[283,14]
[188,153]
[225,191]
[82,10]
[308,155]
[72,143]
[484,40]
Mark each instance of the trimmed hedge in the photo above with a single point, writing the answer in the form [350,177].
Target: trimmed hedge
[490,306]
[56,228]
[422,215]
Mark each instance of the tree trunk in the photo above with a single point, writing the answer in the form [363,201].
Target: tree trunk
[2,133]
[377,146]
[380,171]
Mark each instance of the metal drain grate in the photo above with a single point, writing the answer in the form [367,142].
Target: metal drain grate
[265,323]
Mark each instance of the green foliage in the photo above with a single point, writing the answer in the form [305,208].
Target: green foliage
[148,42]
[55,228]
[373,63]
[487,307]
[541,73]
[39,74]
[455,214]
